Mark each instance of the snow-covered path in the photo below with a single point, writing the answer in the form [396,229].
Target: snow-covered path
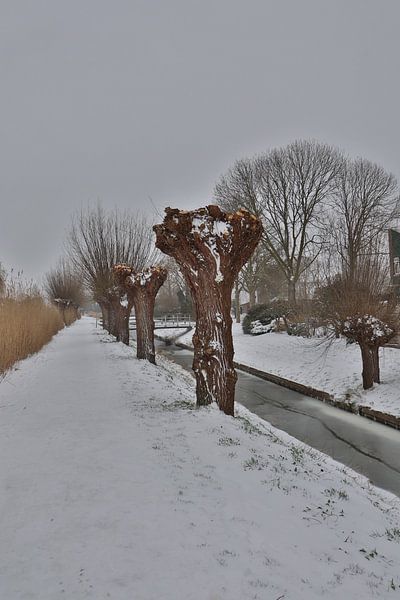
[112,486]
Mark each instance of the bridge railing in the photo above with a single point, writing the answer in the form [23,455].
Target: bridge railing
[177,321]
[172,321]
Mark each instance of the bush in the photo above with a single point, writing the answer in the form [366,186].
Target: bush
[299,329]
[262,317]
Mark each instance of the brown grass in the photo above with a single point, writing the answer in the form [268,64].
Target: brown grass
[26,325]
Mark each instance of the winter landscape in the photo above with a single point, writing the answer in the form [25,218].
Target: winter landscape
[199,301]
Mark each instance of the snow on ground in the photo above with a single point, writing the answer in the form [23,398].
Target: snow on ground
[334,368]
[114,486]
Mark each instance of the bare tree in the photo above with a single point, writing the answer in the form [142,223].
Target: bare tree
[365,203]
[167,300]
[254,278]
[287,188]
[97,241]
[237,307]
[141,289]
[179,298]
[211,247]
[255,274]
[65,290]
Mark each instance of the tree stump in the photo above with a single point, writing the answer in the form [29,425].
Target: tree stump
[211,247]
[141,289]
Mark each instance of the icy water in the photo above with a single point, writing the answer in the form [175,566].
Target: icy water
[367,447]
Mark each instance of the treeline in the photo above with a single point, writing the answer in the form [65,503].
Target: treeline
[113,257]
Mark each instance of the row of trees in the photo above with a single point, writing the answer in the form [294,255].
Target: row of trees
[108,260]
[112,256]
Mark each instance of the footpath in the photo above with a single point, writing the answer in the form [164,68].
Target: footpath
[114,486]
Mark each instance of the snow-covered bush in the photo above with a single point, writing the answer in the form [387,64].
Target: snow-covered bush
[263,318]
[257,328]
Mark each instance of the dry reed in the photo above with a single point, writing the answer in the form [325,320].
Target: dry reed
[27,323]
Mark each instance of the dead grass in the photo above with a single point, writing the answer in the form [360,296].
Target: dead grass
[26,325]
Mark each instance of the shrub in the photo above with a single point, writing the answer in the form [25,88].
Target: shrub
[258,328]
[299,329]
[262,317]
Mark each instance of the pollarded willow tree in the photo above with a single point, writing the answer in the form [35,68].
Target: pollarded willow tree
[120,307]
[356,308]
[97,241]
[211,246]
[141,289]
[65,290]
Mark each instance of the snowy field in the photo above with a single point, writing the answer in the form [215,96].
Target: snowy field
[114,486]
[334,368]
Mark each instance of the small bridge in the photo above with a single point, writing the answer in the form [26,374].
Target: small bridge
[167,322]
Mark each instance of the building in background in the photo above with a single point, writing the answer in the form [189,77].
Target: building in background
[394,256]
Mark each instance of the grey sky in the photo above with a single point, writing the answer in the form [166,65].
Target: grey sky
[125,100]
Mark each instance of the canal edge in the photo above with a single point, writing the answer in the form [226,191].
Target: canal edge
[357,409]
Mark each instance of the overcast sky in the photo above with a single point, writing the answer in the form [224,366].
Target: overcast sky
[123,101]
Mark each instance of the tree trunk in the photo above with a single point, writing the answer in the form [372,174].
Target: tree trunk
[104,315]
[108,321]
[122,322]
[237,302]
[252,297]
[141,289]
[368,364]
[291,292]
[112,318]
[213,348]
[144,310]
[375,358]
